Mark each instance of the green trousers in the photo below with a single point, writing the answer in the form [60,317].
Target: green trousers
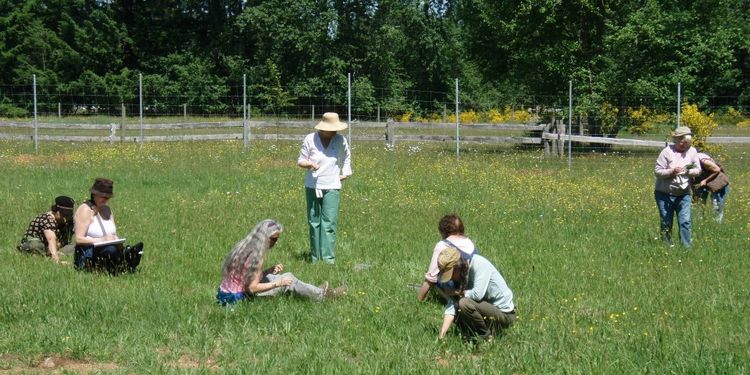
[36,246]
[322,215]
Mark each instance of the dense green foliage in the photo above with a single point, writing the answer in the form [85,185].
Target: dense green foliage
[623,53]
[596,293]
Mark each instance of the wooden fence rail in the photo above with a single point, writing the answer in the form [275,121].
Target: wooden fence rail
[552,142]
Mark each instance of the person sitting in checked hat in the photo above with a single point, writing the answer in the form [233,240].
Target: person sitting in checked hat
[50,232]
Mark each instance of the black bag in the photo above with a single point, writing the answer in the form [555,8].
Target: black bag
[132,256]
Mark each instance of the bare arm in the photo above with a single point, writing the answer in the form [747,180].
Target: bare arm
[83,218]
[256,286]
[711,167]
[447,322]
[423,290]
[52,244]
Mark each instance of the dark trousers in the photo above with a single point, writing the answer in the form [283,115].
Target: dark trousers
[92,258]
[481,318]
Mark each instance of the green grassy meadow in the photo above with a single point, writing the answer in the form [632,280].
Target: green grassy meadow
[595,291]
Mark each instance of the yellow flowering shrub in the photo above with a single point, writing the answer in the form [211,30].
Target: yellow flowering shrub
[638,120]
[469,117]
[608,118]
[701,124]
[494,116]
[522,115]
[743,124]
[405,117]
[734,113]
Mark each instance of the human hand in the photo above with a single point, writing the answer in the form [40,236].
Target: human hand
[342,177]
[110,237]
[277,269]
[678,171]
[314,166]
[284,281]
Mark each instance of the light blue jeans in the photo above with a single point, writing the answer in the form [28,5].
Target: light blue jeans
[297,288]
[718,200]
[669,204]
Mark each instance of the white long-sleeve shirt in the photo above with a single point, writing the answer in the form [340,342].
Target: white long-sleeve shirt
[333,161]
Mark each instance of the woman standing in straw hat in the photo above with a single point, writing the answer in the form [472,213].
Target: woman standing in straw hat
[50,232]
[327,158]
[675,166]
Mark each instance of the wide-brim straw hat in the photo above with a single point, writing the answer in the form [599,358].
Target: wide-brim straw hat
[331,123]
[681,131]
[447,261]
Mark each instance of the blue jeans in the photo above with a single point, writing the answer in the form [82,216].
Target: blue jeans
[718,199]
[669,204]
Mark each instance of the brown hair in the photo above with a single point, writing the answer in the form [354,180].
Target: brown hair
[450,224]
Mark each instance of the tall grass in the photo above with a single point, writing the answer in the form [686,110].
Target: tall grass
[596,292]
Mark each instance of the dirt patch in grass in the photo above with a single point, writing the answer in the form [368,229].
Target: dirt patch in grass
[54,365]
[188,362]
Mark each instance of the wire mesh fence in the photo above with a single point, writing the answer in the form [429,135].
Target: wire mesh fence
[127,113]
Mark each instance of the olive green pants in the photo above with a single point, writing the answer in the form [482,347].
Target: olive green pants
[322,215]
[36,246]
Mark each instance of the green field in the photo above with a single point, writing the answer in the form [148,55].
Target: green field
[595,290]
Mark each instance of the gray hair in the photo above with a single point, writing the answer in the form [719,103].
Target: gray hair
[250,251]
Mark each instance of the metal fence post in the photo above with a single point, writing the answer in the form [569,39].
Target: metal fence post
[458,117]
[140,105]
[122,122]
[36,120]
[349,106]
[570,122]
[245,131]
[678,104]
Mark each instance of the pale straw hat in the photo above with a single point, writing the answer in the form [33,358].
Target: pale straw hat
[331,123]
[681,131]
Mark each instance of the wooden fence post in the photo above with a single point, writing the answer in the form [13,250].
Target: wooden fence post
[546,142]
[390,132]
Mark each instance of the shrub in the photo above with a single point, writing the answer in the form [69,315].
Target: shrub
[701,124]
[7,109]
[469,117]
[638,120]
[405,117]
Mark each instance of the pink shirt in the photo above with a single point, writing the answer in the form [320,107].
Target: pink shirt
[234,281]
[463,243]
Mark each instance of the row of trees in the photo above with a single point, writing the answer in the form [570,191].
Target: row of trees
[404,54]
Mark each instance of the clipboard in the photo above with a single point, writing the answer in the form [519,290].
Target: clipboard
[110,242]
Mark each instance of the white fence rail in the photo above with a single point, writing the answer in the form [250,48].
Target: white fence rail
[393,132]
